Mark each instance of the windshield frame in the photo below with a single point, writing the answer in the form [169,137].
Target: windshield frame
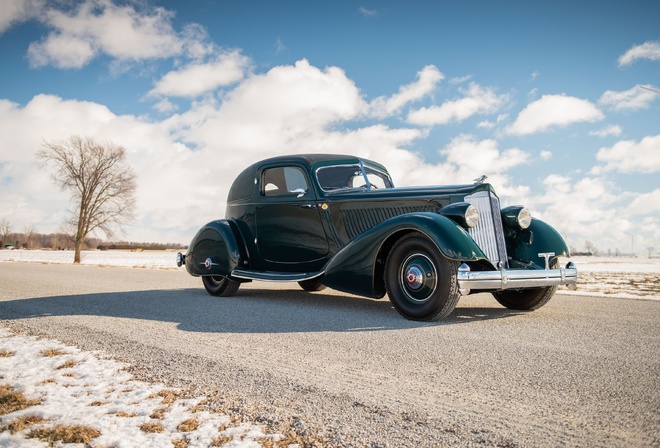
[364,169]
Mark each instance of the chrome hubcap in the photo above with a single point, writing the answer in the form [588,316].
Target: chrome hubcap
[418,277]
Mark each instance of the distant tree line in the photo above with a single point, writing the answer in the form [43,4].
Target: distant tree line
[28,238]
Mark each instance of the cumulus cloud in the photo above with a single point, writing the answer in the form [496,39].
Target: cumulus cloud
[632,99]
[629,156]
[16,11]
[427,81]
[120,31]
[476,100]
[645,203]
[648,50]
[198,78]
[554,111]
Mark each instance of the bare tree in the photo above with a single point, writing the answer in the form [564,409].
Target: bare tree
[591,248]
[5,230]
[102,184]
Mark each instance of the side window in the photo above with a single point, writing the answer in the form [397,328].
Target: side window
[284,180]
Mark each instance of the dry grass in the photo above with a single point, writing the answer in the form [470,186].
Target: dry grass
[180,443]
[12,401]
[159,414]
[67,365]
[168,396]
[125,414]
[65,434]
[52,352]
[6,354]
[188,425]
[20,423]
[98,403]
[221,440]
[47,381]
[152,427]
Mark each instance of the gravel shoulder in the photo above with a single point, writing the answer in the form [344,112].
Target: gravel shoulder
[346,371]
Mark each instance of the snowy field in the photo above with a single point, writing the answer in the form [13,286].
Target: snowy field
[631,278]
[49,391]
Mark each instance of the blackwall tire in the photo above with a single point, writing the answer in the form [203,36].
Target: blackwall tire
[526,299]
[421,282]
[220,286]
[312,285]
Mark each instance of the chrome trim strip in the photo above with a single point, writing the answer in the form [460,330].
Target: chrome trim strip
[275,276]
[515,278]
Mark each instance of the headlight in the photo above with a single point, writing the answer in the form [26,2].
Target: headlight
[516,216]
[466,215]
[471,216]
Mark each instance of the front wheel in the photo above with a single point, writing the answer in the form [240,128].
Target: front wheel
[527,299]
[217,285]
[421,283]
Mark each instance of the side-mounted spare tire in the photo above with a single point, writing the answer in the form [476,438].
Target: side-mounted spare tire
[421,283]
[217,285]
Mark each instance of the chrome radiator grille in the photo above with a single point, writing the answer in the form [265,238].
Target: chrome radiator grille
[488,233]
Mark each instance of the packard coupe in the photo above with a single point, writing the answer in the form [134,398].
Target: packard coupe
[338,221]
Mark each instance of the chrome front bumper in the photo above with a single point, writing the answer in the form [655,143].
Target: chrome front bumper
[515,278]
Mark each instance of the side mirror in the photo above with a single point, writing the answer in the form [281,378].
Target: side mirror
[300,191]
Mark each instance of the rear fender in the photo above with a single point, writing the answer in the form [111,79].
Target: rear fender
[358,267]
[214,250]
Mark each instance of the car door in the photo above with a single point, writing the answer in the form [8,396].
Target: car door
[289,231]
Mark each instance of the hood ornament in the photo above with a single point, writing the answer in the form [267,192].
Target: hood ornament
[480,180]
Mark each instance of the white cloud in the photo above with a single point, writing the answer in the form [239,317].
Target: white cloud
[122,32]
[611,130]
[648,50]
[546,155]
[629,156]
[15,11]
[645,203]
[477,100]
[367,12]
[553,111]
[632,99]
[165,106]
[427,81]
[198,78]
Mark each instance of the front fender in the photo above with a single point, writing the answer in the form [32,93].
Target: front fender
[539,237]
[354,268]
[217,243]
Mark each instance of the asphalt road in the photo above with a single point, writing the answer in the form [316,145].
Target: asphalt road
[581,371]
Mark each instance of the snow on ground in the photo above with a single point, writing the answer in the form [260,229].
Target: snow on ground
[621,277]
[146,259]
[66,386]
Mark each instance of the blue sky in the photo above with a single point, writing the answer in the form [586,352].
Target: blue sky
[543,97]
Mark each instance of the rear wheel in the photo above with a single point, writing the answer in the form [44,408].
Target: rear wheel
[421,283]
[311,285]
[526,299]
[218,285]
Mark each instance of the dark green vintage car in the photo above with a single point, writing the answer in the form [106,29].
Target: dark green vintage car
[337,221]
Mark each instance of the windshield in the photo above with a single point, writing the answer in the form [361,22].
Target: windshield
[342,177]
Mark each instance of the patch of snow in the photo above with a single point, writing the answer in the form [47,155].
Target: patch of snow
[99,393]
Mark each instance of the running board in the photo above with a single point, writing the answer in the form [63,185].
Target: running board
[270,276]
